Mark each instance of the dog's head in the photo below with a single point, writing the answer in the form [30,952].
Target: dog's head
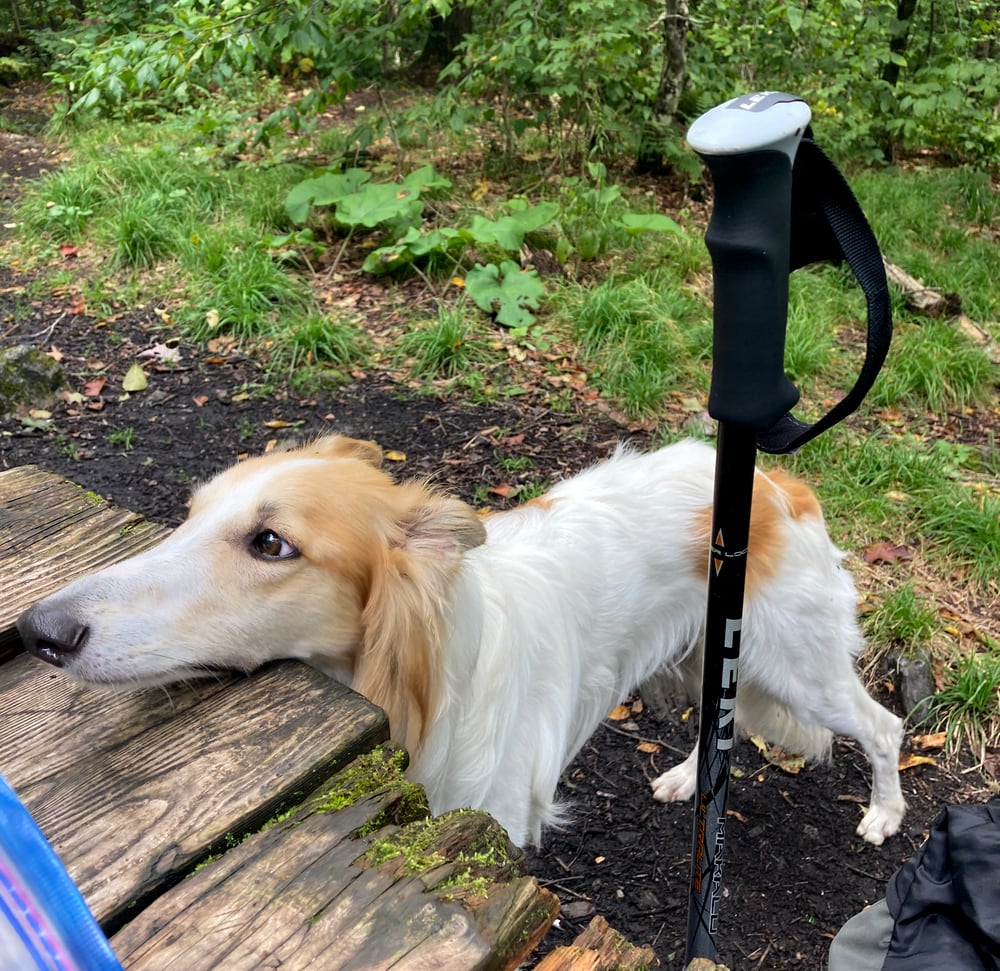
[311,553]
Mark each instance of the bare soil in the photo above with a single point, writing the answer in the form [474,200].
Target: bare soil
[795,871]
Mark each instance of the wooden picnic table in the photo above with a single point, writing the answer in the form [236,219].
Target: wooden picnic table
[244,822]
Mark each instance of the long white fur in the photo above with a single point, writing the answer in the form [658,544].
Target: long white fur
[525,641]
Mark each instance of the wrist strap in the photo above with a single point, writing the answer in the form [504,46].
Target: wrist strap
[828,225]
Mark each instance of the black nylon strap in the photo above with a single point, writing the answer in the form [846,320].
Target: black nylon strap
[828,224]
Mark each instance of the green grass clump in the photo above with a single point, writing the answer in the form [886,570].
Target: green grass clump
[968,707]
[911,487]
[932,365]
[903,618]
[641,337]
[446,346]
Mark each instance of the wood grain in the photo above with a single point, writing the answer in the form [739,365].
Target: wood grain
[153,795]
[51,532]
[304,894]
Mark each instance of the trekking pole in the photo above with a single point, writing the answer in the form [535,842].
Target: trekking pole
[749,146]
[780,203]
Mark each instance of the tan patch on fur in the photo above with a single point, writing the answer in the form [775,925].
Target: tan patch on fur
[545,503]
[801,500]
[777,497]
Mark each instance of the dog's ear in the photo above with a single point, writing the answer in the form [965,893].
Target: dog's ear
[406,615]
[342,447]
[441,526]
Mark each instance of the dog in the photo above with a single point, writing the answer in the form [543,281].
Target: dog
[495,643]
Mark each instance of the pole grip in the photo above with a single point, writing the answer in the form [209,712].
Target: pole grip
[749,146]
[749,238]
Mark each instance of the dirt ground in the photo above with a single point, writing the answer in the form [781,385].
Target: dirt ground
[794,869]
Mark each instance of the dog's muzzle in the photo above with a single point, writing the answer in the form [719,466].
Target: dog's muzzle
[51,633]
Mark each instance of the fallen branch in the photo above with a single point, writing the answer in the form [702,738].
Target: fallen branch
[920,298]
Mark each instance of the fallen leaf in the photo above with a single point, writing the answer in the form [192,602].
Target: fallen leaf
[200,400]
[95,404]
[277,423]
[393,456]
[93,387]
[68,250]
[932,740]
[163,314]
[887,553]
[212,319]
[736,815]
[135,378]
[778,757]
[649,747]
[637,706]
[599,859]
[505,490]
[271,445]
[77,308]
[163,354]
[909,761]
[39,414]
[620,713]
[55,353]
[72,397]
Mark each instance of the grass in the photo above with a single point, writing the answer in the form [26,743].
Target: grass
[903,618]
[445,346]
[967,709]
[642,337]
[935,365]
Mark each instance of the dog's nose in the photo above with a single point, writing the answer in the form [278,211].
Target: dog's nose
[51,633]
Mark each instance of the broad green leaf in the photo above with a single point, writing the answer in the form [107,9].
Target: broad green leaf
[322,190]
[376,203]
[794,13]
[649,222]
[412,246]
[425,179]
[504,233]
[508,232]
[506,291]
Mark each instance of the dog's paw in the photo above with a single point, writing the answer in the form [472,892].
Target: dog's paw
[676,784]
[879,822]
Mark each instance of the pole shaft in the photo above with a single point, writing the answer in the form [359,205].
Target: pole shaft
[735,463]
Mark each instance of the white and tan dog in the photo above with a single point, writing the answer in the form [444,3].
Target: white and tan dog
[495,644]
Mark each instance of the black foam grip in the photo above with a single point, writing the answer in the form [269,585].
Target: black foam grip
[748,238]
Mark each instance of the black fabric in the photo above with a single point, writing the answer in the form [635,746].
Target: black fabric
[828,225]
[945,899]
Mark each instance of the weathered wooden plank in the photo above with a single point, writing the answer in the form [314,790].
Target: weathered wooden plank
[49,720]
[129,818]
[354,880]
[599,948]
[51,532]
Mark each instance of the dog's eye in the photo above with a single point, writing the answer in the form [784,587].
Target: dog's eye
[269,545]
